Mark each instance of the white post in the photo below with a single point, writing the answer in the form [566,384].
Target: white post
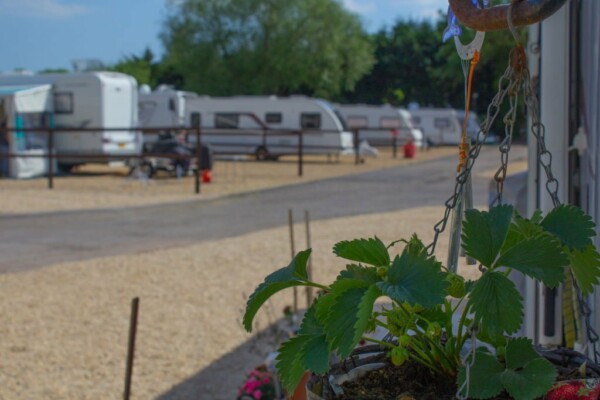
[554,108]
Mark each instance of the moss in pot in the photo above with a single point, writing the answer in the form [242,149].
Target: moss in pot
[424,296]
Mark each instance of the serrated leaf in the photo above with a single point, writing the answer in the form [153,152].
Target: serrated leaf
[571,225]
[496,302]
[315,354]
[348,318]
[537,217]
[539,257]
[484,377]
[531,382]
[359,272]
[519,230]
[415,279]
[485,232]
[306,351]
[519,352]
[311,325]
[586,268]
[292,275]
[341,284]
[369,251]
[290,368]
[527,376]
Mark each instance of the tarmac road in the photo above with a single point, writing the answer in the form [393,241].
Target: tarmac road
[33,241]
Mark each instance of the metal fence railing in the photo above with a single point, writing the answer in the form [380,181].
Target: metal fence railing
[297,144]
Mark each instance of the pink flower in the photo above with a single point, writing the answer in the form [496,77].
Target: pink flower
[266,381]
[257,394]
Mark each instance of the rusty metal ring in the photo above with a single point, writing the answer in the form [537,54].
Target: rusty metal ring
[526,12]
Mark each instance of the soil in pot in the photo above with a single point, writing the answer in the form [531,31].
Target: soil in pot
[411,381]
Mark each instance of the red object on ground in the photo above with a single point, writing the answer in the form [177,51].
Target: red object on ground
[409,149]
[206,176]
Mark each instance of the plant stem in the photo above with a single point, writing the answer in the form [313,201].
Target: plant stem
[379,342]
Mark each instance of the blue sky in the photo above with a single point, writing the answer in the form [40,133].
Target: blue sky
[42,34]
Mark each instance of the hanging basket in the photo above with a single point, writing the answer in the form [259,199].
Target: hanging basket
[361,361]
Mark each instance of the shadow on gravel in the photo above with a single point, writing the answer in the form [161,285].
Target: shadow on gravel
[221,379]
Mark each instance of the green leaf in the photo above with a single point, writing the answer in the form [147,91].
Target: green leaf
[349,317]
[290,367]
[519,230]
[306,351]
[292,275]
[369,251]
[540,257]
[415,279]
[485,232]
[359,272]
[484,377]
[315,354]
[586,268]
[497,303]
[571,225]
[532,382]
[519,352]
[527,376]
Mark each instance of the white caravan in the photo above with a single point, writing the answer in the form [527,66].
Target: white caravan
[162,108]
[23,107]
[386,124]
[86,100]
[439,125]
[261,125]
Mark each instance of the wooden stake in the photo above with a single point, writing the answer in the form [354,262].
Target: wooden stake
[293,248]
[131,347]
[309,289]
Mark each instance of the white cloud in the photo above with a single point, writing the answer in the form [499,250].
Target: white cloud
[41,8]
[360,6]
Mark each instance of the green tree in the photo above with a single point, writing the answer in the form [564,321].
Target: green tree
[142,68]
[225,47]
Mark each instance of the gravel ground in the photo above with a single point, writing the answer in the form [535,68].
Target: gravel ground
[64,327]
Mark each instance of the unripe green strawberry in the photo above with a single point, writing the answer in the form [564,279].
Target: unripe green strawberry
[434,329]
[382,272]
[399,355]
[457,285]
[404,340]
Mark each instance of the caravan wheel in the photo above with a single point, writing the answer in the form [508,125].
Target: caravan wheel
[262,154]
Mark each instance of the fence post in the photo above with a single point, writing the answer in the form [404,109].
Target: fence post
[356,149]
[395,146]
[198,156]
[300,153]
[50,158]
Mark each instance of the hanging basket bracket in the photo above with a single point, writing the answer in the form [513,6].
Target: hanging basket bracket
[525,12]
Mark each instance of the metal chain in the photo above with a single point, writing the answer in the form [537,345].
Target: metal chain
[504,86]
[509,127]
[545,160]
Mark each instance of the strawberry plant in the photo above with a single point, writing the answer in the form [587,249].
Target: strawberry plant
[433,312]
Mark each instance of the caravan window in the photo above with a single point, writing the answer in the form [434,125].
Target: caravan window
[227,120]
[63,102]
[441,123]
[195,119]
[310,120]
[357,122]
[273,118]
[389,123]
